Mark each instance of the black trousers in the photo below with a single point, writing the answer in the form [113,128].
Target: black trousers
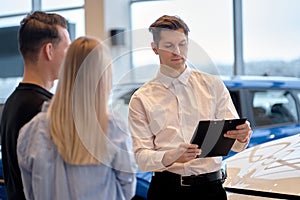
[169,187]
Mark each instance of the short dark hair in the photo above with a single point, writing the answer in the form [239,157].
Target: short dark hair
[167,22]
[37,29]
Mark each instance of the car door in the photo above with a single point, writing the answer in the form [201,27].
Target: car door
[274,114]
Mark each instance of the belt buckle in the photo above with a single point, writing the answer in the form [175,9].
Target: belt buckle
[182,184]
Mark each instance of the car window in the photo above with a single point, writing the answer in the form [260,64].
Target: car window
[273,107]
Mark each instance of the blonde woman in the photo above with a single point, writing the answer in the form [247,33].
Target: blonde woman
[76,149]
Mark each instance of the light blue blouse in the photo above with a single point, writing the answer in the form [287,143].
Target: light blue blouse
[46,175]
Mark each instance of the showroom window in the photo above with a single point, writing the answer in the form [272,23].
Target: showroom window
[270,32]
[13,7]
[61,4]
[10,16]
[271,37]
[211,30]
[15,11]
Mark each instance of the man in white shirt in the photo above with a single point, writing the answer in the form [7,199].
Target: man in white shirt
[164,113]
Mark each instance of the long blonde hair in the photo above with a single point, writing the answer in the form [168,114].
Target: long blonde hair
[78,111]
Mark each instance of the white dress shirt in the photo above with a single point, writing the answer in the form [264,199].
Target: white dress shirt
[164,113]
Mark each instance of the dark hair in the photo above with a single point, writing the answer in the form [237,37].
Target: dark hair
[37,29]
[167,22]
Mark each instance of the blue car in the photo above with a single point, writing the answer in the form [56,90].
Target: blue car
[271,104]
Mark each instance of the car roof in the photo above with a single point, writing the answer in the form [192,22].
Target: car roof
[241,81]
[261,82]
[270,167]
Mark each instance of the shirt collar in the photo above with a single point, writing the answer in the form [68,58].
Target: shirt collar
[167,81]
[184,77]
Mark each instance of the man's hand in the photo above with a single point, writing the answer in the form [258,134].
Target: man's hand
[242,134]
[184,153]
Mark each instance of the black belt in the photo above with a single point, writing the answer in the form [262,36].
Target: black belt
[200,179]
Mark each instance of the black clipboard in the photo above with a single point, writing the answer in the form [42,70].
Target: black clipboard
[209,136]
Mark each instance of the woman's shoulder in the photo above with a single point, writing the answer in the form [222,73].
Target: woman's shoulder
[35,132]
[34,141]
[37,124]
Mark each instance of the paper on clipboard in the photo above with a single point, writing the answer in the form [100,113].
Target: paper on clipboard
[209,135]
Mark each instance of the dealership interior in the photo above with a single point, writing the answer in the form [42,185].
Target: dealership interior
[239,37]
[252,45]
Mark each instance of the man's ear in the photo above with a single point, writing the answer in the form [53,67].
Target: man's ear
[154,47]
[48,49]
